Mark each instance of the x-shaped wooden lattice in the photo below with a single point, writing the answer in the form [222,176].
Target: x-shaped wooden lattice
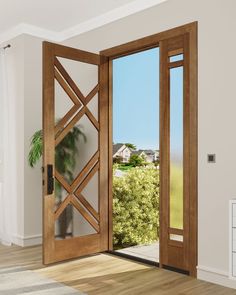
[62,128]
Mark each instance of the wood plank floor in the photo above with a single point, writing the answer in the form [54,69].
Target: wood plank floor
[105,274]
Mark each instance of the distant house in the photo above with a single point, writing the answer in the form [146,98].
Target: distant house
[140,153]
[121,152]
[151,155]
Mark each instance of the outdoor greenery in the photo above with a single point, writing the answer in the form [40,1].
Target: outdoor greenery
[176,196]
[124,167]
[131,146]
[136,160]
[136,204]
[117,159]
[135,207]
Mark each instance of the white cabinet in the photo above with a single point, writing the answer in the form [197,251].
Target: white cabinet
[232,239]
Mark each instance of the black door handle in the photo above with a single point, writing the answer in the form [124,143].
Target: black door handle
[50,182]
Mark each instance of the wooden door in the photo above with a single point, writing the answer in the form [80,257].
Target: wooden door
[178,182]
[75,157]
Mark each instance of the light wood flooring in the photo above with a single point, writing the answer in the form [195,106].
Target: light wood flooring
[105,274]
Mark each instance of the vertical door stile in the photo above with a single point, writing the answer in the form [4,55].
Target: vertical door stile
[164,148]
[48,153]
[103,138]
[187,159]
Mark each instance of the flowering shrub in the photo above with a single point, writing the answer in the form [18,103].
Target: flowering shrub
[136,207]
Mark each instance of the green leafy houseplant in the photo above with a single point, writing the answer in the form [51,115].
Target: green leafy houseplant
[66,153]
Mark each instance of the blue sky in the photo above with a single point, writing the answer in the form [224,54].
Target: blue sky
[176,113]
[136,101]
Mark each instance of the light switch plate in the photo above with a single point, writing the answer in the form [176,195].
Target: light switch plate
[211,158]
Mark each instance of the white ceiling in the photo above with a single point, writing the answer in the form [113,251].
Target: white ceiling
[59,20]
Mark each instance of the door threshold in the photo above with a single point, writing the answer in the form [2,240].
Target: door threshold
[134,258]
[171,268]
[148,262]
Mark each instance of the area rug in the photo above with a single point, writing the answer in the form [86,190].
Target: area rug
[17,281]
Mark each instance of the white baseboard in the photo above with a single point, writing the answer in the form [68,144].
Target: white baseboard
[27,240]
[215,276]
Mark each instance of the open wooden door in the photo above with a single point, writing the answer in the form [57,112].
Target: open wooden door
[75,158]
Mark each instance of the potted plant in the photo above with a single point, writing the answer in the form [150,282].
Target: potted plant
[66,153]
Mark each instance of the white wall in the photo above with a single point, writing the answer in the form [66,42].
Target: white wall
[217,120]
[32,122]
[15,73]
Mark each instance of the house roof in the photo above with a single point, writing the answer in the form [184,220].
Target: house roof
[150,152]
[139,152]
[117,147]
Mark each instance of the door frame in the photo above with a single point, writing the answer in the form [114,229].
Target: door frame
[141,45]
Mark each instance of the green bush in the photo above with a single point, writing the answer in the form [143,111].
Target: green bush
[136,160]
[176,196]
[136,207]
